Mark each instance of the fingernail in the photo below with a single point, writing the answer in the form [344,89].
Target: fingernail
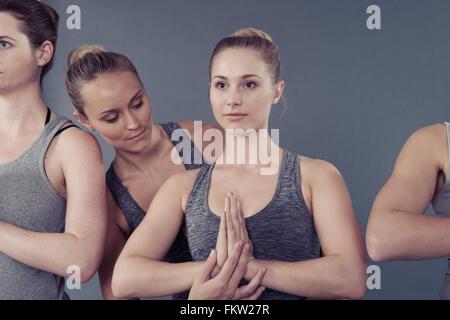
[213,253]
[264,270]
[263,288]
[247,247]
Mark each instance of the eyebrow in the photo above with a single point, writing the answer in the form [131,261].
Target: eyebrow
[131,100]
[245,76]
[7,37]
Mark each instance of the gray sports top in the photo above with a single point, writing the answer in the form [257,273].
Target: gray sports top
[283,230]
[179,252]
[28,200]
[441,205]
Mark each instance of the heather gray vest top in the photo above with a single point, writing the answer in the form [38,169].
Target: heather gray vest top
[283,230]
[28,200]
[179,252]
[441,205]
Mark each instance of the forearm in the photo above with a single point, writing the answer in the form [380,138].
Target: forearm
[403,235]
[142,277]
[51,252]
[334,276]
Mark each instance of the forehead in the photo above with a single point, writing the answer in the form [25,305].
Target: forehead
[111,89]
[10,26]
[236,62]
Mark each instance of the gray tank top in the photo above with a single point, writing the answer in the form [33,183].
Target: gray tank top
[283,230]
[179,252]
[29,201]
[441,205]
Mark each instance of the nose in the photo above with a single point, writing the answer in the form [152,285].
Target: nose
[131,121]
[235,98]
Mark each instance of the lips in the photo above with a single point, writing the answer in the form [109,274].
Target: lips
[138,135]
[235,116]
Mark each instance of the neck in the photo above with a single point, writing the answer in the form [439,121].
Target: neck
[126,161]
[255,150]
[22,109]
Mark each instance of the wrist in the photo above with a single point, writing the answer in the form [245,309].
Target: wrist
[252,268]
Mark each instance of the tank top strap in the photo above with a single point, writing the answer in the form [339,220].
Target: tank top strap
[193,159]
[130,208]
[43,143]
[200,188]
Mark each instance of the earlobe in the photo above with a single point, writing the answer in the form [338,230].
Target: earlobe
[82,120]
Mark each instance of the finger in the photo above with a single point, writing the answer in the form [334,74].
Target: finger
[240,216]
[256,295]
[235,216]
[208,267]
[221,244]
[252,287]
[241,267]
[230,264]
[231,231]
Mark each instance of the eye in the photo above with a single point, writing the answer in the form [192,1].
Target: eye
[5,44]
[139,105]
[250,84]
[220,85]
[111,119]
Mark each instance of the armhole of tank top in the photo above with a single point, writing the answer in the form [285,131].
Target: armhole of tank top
[201,172]
[447,178]
[50,187]
[298,187]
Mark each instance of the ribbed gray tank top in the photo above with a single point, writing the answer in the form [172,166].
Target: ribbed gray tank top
[179,251]
[29,201]
[441,205]
[283,230]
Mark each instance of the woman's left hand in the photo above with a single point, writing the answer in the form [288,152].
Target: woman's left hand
[235,222]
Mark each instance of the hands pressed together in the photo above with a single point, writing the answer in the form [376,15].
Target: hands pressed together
[227,264]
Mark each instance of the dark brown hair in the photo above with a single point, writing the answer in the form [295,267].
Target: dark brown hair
[38,20]
[86,63]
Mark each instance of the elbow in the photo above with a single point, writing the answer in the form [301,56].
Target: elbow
[88,270]
[119,284]
[377,243]
[353,281]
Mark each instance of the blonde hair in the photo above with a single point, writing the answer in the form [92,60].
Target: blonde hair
[255,39]
[86,63]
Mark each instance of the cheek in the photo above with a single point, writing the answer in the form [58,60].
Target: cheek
[112,133]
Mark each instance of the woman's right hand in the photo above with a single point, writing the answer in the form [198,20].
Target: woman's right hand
[225,285]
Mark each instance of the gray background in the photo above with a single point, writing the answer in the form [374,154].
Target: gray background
[353,95]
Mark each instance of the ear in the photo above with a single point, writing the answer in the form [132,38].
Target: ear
[44,53]
[279,89]
[82,119]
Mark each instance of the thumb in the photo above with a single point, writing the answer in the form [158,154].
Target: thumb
[208,266]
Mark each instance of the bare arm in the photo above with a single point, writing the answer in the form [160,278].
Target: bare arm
[398,228]
[139,271]
[341,272]
[115,241]
[82,242]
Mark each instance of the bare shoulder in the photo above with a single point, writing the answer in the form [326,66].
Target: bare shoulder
[183,181]
[433,137]
[189,126]
[426,146]
[78,144]
[317,170]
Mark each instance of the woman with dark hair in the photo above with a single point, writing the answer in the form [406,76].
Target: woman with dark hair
[52,185]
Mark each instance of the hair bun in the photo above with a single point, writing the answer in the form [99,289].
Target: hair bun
[252,32]
[80,52]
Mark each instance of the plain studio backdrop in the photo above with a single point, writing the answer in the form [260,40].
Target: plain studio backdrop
[353,95]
